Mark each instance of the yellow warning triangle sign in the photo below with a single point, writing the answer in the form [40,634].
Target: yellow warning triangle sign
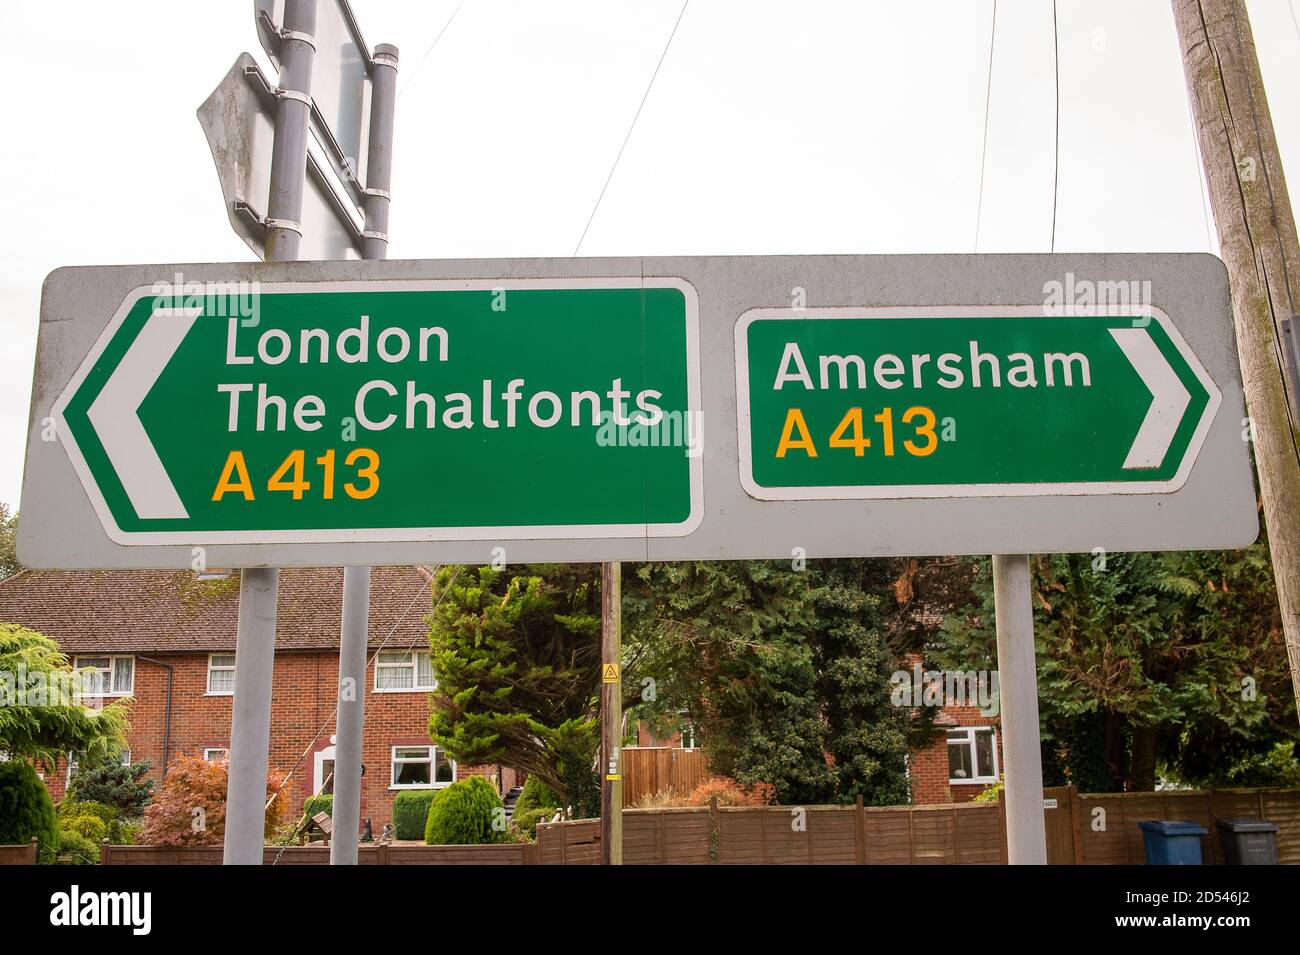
[609,673]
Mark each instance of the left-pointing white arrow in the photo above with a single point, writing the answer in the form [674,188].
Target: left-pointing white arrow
[1169,398]
[115,414]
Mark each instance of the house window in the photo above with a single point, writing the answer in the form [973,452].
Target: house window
[106,676]
[398,671]
[221,674]
[688,735]
[215,754]
[972,755]
[421,767]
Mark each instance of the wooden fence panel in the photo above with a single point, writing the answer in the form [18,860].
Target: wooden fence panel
[569,843]
[1105,846]
[1059,825]
[979,834]
[19,855]
[649,769]
[833,834]
[968,833]
[933,835]
[1283,808]
[741,836]
[889,836]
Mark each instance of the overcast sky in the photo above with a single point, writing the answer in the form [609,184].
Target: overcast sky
[771,128]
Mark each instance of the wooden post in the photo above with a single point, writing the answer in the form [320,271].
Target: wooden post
[860,830]
[1076,823]
[611,714]
[715,829]
[1257,240]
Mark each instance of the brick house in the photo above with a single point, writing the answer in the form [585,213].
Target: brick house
[963,761]
[167,639]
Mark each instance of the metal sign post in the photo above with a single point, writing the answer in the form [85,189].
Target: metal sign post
[250,724]
[354,631]
[1018,694]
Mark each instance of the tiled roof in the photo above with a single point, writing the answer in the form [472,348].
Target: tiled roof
[148,611]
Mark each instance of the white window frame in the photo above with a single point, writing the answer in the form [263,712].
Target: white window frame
[413,666]
[112,659]
[209,750]
[433,767]
[221,669]
[970,732]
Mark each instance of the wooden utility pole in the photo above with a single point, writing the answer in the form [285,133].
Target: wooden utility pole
[1257,240]
[611,714]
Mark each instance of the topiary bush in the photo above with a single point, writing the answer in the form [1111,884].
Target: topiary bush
[411,812]
[467,813]
[536,795]
[72,809]
[88,826]
[26,809]
[322,803]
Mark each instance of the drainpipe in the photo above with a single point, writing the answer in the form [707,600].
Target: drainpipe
[167,713]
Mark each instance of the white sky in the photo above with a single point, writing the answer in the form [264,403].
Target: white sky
[771,128]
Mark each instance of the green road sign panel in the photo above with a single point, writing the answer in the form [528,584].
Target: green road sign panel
[961,402]
[447,410]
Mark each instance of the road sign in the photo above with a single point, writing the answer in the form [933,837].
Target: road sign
[468,411]
[961,402]
[435,410]
[239,122]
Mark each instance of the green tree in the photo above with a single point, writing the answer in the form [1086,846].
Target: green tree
[41,716]
[784,674]
[107,781]
[517,658]
[1150,663]
[26,809]
[467,813]
[8,542]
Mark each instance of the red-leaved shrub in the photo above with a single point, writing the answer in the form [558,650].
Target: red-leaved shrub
[190,809]
[731,793]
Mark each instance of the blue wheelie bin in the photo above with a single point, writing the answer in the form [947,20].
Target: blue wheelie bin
[1172,842]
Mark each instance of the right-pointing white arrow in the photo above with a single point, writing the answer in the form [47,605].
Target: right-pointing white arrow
[1169,398]
[114,414]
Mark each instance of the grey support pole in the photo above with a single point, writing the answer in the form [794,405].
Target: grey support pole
[1018,690]
[379,158]
[350,727]
[250,724]
[292,114]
